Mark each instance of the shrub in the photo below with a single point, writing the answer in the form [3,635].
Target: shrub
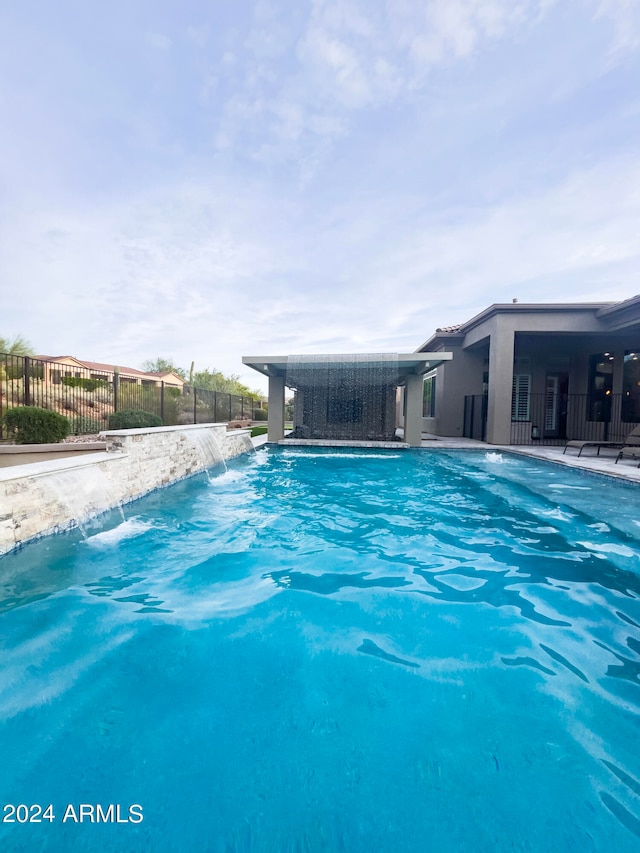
[133,419]
[260,414]
[32,425]
[89,385]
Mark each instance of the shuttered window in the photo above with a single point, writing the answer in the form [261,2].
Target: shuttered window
[520,397]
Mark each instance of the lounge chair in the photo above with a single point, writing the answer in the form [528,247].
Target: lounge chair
[631,447]
[629,453]
[632,440]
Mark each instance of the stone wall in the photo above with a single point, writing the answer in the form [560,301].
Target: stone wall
[46,497]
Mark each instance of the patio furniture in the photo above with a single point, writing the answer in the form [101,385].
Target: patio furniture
[631,448]
[632,440]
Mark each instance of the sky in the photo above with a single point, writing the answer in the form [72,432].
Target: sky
[204,180]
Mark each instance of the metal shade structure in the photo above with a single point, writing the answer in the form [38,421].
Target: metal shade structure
[347,396]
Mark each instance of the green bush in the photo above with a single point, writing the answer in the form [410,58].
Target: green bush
[89,385]
[133,419]
[32,425]
[260,415]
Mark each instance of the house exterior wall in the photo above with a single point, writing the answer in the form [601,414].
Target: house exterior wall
[454,381]
[534,340]
[54,369]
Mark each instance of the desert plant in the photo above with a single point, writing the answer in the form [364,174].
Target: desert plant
[133,419]
[32,425]
[18,346]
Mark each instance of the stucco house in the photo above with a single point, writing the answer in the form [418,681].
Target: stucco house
[56,367]
[528,373]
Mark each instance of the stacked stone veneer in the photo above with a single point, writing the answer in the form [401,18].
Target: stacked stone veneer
[46,497]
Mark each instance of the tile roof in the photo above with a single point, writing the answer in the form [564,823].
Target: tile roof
[455,328]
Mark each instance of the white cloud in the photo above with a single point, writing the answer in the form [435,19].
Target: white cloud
[351,56]
[625,17]
[339,175]
[351,46]
[566,242]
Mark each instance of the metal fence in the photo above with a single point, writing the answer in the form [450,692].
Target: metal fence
[553,419]
[88,397]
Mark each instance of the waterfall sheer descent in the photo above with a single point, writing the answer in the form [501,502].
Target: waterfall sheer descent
[207,447]
[344,397]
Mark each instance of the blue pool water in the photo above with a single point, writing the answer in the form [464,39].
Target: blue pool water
[332,651]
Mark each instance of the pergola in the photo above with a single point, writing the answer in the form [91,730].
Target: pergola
[343,394]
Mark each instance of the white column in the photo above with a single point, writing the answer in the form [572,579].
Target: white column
[275,423]
[413,410]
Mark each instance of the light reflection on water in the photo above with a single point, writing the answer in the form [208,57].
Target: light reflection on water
[384,642]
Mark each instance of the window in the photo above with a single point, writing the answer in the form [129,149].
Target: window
[631,387]
[429,397]
[600,386]
[520,396]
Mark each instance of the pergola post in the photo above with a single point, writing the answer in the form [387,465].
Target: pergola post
[413,410]
[275,422]
[501,351]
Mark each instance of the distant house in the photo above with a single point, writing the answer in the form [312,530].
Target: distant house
[55,368]
[523,373]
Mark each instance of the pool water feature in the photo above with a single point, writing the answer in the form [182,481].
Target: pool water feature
[208,448]
[326,650]
[84,492]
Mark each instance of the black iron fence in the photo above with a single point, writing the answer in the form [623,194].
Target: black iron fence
[88,397]
[553,419]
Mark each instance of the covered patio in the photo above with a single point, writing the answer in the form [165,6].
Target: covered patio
[347,398]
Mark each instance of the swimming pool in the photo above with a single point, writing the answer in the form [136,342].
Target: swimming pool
[330,650]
